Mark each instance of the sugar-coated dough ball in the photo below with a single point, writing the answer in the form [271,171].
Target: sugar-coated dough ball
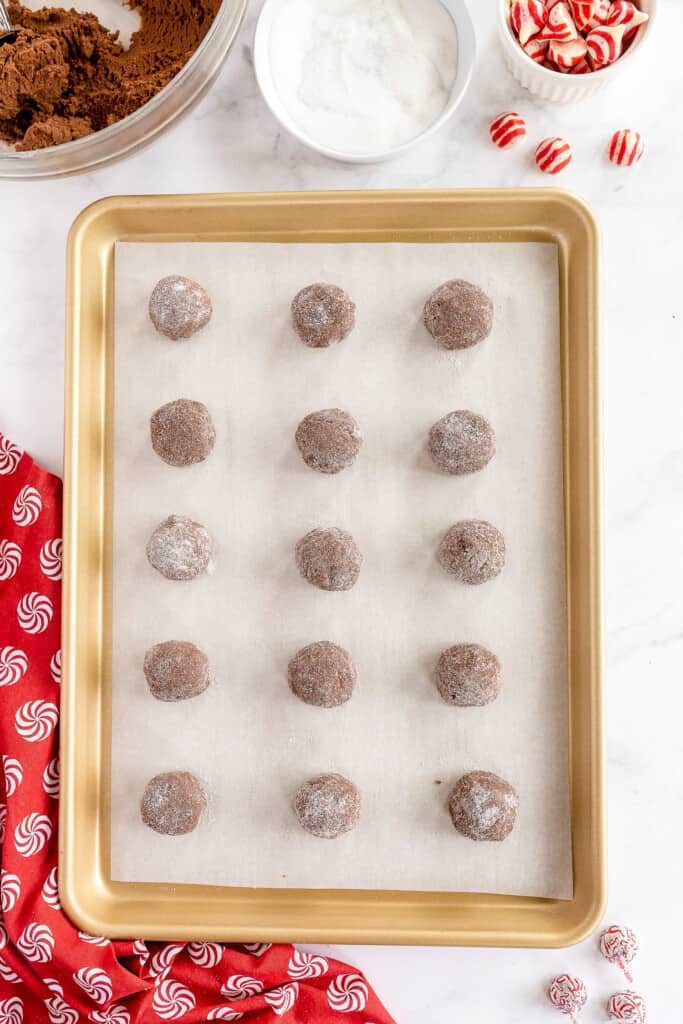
[327,806]
[173,803]
[483,807]
[473,551]
[322,315]
[180,548]
[182,432]
[329,440]
[458,314]
[322,674]
[179,307]
[176,670]
[462,442]
[468,675]
[329,559]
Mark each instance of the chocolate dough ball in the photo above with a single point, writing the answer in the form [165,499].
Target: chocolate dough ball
[179,548]
[329,440]
[323,315]
[462,442]
[173,803]
[179,307]
[473,551]
[483,806]
[176,670]
[327,806]
[467,675]
[322,674]
[329,559]
[458,314]
[182,432]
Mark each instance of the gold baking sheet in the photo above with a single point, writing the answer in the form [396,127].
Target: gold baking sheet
[166,911]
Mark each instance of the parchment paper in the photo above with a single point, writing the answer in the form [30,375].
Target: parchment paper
[248,738]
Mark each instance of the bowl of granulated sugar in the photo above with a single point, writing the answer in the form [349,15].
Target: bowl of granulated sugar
[363,80]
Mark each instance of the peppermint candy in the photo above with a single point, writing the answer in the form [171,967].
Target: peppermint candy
[10,891]
[347,993]
[507,130]
[27,506]
[35,720]
[10,456]
[306,965]
[567,994]
[241,986]
[60,1012]
[32,834]
[626,148]
[605,45]
[51,778]
[13,664]
[34,612]
[172,1000]
[50,890]
[11,1011]
[553,155]
[283,998]
[56,667]
[627,1006]
[619,946]
[162,961]
[589,14]
[205,954]
[50,559]
[14,774]
[10,559]
[527,18]
[537,49]
[36,943]
[112,1015]
[560,24]
[568,55]
[95,983]
[623,12]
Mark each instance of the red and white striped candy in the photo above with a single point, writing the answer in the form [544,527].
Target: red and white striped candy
[536,49]
[589,14]
[567,55]
[605,44]
[567,994]
[583,68]
[627,1006]
[527,18]
[626,148]
[560,24]
[553,155]
[507,130]
[623,12]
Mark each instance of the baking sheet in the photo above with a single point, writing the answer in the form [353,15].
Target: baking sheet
[248,738]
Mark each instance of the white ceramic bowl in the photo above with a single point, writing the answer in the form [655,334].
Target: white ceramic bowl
[467,49]
[553,85]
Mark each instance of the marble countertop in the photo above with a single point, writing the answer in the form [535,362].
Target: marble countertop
[231,143]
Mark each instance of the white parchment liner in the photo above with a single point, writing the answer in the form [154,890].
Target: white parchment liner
[248,738]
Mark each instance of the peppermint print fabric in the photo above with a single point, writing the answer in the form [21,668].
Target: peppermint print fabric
[50,972]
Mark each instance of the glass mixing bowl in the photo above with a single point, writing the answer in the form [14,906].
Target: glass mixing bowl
[102,147]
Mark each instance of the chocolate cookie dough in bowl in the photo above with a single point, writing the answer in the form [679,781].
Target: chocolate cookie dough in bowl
[111,100]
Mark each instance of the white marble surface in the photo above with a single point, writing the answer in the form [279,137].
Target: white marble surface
[231,142]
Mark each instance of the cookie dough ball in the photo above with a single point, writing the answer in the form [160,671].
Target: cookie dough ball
[467,675]
[458,314]
[483,807]
[323,315]
[329,559]
[176,670]
[179,548]
[182,432]
[462,442]
[327,806]
[179,307]
[322,674]
[173,803]
[473,551]
[329,440]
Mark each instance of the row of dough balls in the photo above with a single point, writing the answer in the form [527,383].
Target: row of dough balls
[323,674]
[462,442]
[457,314]
[482,805]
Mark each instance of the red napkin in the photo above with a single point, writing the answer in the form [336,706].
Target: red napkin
[50,971]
